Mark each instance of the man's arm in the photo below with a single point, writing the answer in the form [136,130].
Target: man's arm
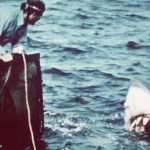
[8,23]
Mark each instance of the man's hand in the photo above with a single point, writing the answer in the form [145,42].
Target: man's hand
[6,57]
[18,50]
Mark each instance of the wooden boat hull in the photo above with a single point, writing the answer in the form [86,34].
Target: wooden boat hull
[13,110]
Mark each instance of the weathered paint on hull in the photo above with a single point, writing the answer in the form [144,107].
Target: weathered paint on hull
[13,111]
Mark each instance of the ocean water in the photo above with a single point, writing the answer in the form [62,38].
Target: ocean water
[86,69]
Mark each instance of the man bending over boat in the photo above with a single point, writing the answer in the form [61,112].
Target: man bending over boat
[13,27]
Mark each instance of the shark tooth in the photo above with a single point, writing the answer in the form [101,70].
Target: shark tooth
[145,121]
[133,124]
[138,120]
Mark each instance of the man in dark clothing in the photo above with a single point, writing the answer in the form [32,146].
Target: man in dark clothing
[13,27]
[13,38]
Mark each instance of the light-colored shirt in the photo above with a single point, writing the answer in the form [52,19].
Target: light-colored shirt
[12,29]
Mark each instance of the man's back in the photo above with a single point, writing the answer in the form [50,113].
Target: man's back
[11,27]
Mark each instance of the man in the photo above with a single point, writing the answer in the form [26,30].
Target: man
[13,27]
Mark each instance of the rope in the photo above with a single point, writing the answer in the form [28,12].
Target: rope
[5,82]
[27,102]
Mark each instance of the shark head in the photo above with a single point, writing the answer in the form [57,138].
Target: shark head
[137,106]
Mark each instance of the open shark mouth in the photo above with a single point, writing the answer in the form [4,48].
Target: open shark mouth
[140,123]
[137,106]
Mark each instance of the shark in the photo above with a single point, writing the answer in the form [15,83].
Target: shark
[137,106]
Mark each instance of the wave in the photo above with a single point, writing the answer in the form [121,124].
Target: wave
[138,63]
[137,16]
[135,45]
[90,89]
[62,124]
[133,5]
[99,73]
[79,100]
[56,72]
[114,77]
[73,50]
[81,16]
[38,44]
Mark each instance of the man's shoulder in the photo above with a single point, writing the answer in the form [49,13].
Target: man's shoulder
[8,12]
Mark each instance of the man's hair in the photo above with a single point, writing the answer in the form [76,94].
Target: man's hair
[33,5]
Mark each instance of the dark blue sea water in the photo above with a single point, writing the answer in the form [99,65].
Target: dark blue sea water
[86,69]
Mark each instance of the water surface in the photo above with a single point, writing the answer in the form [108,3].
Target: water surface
[86,69]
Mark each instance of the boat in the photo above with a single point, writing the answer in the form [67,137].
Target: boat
[17,121]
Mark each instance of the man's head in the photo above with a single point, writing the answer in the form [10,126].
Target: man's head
[34,10]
